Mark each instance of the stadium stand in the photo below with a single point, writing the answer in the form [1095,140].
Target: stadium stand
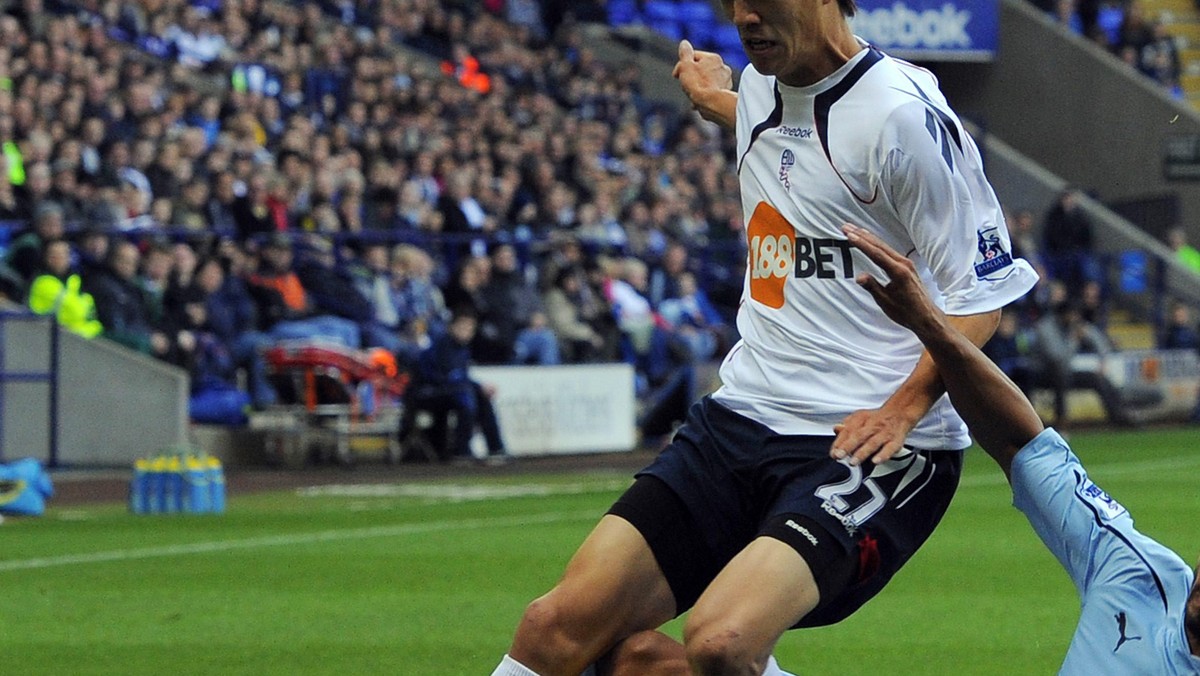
[1157,38]
[329,124]
[212,129]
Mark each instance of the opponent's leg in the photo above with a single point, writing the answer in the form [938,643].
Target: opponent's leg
[734,625]
[612,588]
[653,653]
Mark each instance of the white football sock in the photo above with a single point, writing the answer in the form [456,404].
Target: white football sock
[510,667]
[773,669]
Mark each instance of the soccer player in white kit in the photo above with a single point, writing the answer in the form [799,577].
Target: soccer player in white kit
[765,481]
[1140,601]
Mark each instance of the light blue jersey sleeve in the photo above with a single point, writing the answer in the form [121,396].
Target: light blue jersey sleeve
[1067,510]
[1133,589]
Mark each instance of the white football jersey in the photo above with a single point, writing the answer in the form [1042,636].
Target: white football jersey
[875,145]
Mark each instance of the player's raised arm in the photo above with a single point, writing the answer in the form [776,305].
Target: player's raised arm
[708,82]
[998,414]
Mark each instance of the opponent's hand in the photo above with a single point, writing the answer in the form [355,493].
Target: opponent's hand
[701,74]
[903,297]
[876,434]
[879,433]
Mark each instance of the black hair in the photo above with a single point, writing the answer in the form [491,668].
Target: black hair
[849,7]
[1191,615]
[564,274]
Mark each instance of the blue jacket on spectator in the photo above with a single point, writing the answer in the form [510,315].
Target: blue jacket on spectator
[446,362]
[231,310]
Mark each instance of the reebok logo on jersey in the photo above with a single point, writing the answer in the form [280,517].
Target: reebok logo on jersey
[777,254]
[905,27]
[794,132]
[802,530]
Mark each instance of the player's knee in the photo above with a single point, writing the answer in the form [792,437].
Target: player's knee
[542,620]
[545,634]
[720,649]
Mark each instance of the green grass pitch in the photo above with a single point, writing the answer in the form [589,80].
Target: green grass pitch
[430,578]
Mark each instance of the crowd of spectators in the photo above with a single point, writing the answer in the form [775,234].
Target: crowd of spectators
[199,180]
[1041,337]
[1122,27]
[224,174]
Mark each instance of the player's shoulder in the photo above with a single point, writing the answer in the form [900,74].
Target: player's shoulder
[874,109]
[899,98]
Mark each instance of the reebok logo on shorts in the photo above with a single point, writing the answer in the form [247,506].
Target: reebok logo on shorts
[802,530]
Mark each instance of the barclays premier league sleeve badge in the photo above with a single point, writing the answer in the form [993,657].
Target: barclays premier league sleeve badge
[1102,503]
[991,257]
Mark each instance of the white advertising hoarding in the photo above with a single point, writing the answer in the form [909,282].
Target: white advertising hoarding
[546,410]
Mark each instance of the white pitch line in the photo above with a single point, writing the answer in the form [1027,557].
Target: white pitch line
[1107,470]
[293,539]
[461,492]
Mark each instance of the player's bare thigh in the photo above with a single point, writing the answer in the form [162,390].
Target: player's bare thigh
[766,589]
[612,588]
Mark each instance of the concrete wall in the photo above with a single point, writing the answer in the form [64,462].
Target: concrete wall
[114,405]
[1022,183]
[654,54]
[1069,106]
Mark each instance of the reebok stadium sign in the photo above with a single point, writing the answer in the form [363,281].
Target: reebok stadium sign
[931,30]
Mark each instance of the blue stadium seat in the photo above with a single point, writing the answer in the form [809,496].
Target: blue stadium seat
[696,10]
[1134,268]
[661,11]
[671,29]
[725,38]
[698,19]
[622,12]
[701,34]
[1109,21]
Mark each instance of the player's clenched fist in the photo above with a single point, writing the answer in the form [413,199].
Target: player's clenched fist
[708,82]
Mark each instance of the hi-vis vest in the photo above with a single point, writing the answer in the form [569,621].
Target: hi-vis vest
[74,309]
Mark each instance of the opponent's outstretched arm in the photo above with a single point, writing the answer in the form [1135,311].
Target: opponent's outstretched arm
[998,414]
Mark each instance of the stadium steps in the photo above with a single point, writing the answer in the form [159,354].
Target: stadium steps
[1168,10]
[1129,334]
[1186,32]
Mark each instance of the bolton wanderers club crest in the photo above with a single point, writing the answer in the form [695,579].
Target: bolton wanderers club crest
[786,161]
